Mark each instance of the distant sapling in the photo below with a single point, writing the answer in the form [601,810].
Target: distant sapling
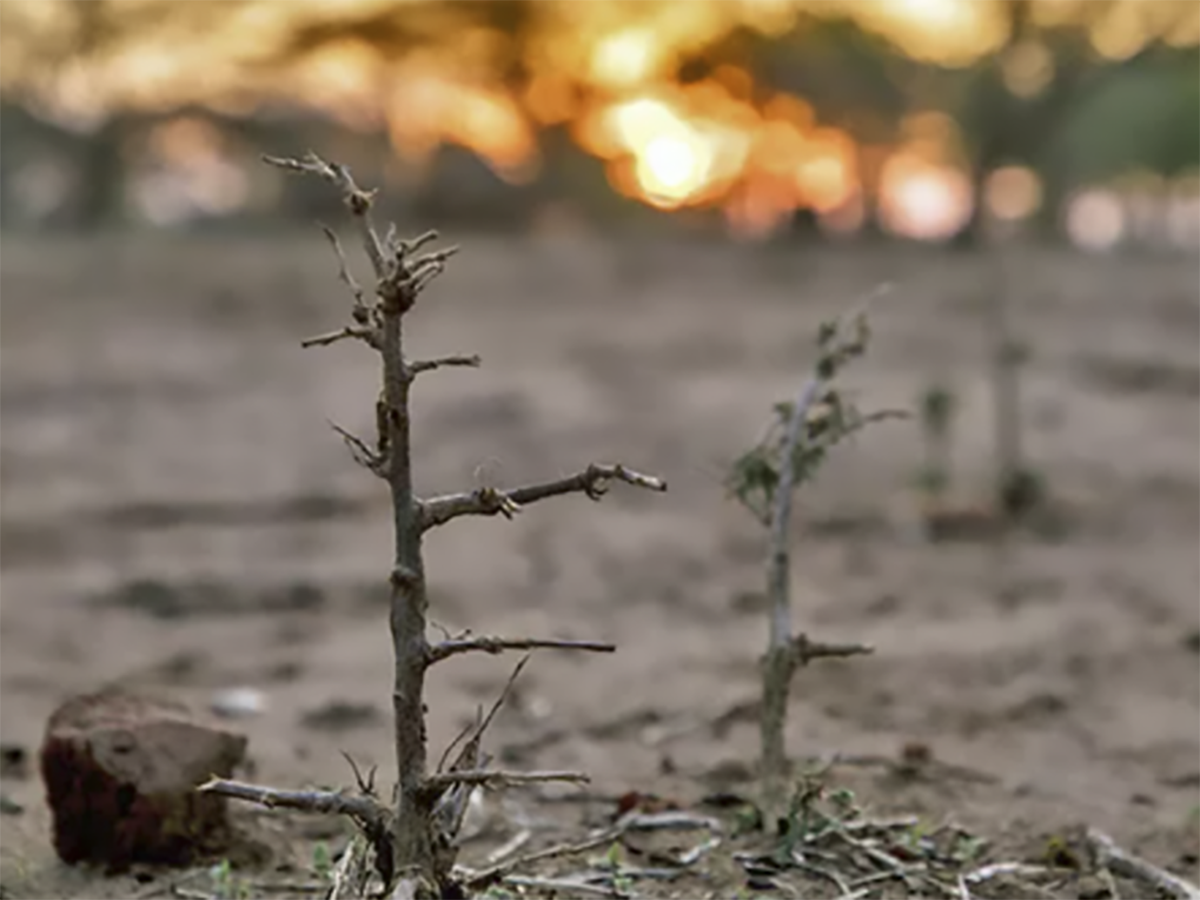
[764,479]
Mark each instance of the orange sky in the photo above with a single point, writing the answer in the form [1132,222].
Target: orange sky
[606,43]
[664,143]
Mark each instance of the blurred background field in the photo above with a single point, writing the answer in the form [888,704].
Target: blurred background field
[658,203]
[928,119]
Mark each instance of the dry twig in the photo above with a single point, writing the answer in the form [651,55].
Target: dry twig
[1122,862]
[363,808]
[484,877]
[568,887]
[593,482]
[495,645]
[363,455]
[428,365]
[356,332]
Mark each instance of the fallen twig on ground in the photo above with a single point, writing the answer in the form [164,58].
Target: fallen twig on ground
[632,821]
[569,886]
[1128,865]
[995,870]
[483,877]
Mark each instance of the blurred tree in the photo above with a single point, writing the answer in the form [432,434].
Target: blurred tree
[1046,98]
[1027,103]
[855,80]
[392,31]
[485,42]
[57,48]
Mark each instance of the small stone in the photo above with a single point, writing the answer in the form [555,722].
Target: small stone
[1089,887]
[14,762]
[339,715]
[120,772]
[238,703]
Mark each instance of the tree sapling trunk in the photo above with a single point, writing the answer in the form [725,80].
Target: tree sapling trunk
[1019,490]
[764,480]
[936,476]
[414,839]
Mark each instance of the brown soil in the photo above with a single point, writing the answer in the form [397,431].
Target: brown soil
[176,513]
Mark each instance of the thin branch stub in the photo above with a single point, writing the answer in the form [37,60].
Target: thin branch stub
[364,333]
[805,650]
[428,365]
[356,199]
[361,313]
[363,455]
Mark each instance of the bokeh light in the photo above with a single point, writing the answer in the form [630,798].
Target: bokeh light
[609,73]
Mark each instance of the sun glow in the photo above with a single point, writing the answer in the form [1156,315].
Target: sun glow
[953,32]
[923,200]
[626,58]
[711,139]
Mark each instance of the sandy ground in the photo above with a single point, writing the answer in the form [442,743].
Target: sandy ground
[176,512]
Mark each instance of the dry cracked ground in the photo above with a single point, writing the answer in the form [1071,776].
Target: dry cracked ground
[176,513]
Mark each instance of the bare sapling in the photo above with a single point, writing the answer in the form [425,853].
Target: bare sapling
[413,839]
[937,421]
[1018,490]
[936,477]
[765,480]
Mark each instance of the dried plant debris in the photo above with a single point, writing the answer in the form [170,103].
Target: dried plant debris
[827,845]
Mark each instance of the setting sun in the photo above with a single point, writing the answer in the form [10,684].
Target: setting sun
[923,200]
[673,159]
[672,168]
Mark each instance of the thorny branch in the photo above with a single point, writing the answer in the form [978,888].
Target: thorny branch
[361,313]
[487,501]
[363,808]
[496,645]
[477,729]
[356,199]
[362,333]
[451,806]
[363,455]
[399,277]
